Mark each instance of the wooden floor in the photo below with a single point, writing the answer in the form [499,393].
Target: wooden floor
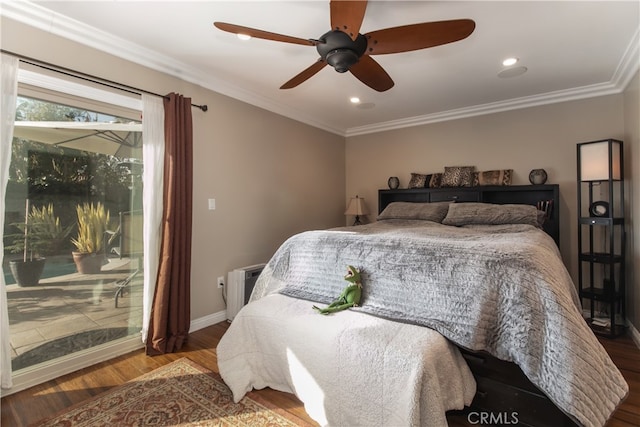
[29,406]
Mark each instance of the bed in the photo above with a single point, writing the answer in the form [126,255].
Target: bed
[460,300]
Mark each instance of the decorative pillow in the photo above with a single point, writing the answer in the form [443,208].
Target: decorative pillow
[457,176]
[435,181]
[408,210]
[490,214]
[494,177]
[417,180]
[542,217]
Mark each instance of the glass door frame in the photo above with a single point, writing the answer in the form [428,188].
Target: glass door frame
[30,81]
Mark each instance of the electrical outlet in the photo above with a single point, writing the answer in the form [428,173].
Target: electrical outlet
[221,282]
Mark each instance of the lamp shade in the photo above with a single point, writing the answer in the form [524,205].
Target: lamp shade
[597,157]
[356,207]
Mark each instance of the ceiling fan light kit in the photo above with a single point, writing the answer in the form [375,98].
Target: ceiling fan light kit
[340,51]
[345,49]
[342,59]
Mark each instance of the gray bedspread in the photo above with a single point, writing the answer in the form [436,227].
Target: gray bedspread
[501,289]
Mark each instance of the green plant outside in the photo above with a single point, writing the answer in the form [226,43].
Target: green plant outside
[93,222]
[44,233]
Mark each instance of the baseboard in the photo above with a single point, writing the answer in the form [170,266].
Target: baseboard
[209,320]
[633,332]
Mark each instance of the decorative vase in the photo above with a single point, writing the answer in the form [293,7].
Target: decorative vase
[393,182]
[538,176]
[27,273]
[88,263]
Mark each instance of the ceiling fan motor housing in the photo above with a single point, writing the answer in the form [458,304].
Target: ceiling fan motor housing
[338,50]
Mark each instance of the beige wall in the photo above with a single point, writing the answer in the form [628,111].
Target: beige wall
[271,176]
[632,169]
[539,137]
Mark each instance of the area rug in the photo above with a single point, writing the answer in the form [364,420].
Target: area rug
[181,393]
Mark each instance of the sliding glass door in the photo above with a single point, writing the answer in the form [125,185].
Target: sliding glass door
[73,229]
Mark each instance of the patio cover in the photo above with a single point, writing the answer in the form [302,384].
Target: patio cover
[116,139]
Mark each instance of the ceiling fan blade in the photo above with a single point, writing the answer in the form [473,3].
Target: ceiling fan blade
[304,75]
[369,72]
[418,36]
[347,16]
[259,34]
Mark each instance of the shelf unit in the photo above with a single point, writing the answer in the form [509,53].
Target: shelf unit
[601,234]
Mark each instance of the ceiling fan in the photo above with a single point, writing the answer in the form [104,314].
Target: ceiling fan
[345,49]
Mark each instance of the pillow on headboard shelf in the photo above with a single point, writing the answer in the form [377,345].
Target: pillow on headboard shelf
[493,177]
[457,176]
[418,180]
[435,181]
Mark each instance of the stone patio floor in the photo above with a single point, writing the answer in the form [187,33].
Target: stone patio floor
[69,304]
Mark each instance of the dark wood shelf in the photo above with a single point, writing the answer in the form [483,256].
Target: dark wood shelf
[598,220]
[601,257]
[605,331]
[600,294]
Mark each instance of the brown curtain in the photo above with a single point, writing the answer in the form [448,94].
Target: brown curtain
[171,309]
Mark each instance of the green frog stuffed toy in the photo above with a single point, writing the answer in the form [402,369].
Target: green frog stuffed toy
[350,296]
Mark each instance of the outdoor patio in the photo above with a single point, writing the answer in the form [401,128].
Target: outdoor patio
[71,312]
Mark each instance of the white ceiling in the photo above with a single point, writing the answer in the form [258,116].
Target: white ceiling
[571,49]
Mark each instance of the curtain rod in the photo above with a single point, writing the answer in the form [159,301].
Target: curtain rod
[88,77]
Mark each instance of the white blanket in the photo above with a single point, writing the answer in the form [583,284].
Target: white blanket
[349,368]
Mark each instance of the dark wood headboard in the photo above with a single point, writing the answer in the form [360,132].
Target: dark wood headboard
[516,194]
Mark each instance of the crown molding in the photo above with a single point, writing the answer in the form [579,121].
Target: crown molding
[629,63]
[491,108]
[60,25]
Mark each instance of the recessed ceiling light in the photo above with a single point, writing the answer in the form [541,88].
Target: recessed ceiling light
[512,72]
[243,36]
[509,62]
[366,105]
[354,100]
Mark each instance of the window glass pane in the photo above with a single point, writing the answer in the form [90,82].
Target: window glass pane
[74,195]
